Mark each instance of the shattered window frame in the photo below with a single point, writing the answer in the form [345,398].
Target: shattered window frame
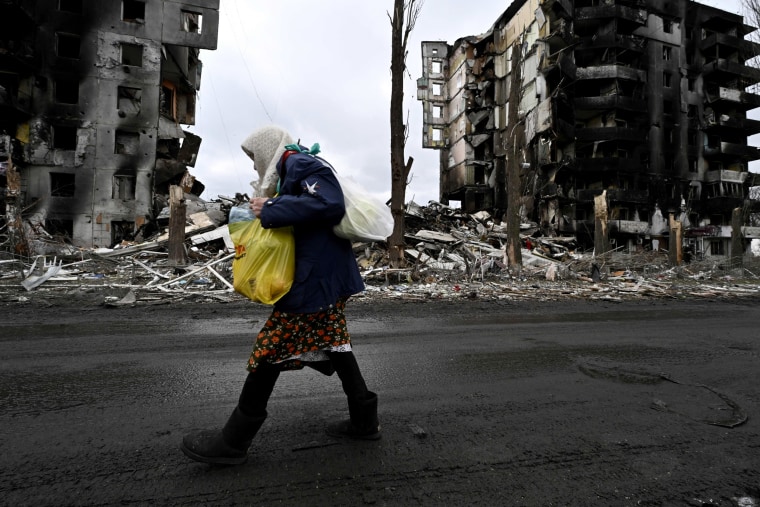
[62,184]
[68,45]
[126,142]
[133,11]
[66,91]
[64,137]
[191,21]
[124,187]
[122,230]
[168,105]
[74,6]
[60,227]
[129,99]
[131,53]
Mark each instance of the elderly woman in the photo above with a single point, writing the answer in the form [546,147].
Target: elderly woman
[307,327]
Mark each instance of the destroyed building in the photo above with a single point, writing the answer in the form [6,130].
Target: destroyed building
[93,97]
[627,115]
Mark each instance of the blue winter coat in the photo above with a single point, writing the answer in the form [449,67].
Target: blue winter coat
[310,199]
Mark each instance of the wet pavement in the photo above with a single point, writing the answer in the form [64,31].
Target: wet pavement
[481,403]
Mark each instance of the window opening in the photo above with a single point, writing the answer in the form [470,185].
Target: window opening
[63,229]
[131,54]
[191,22]
[74,6]
[64,138]
[124,187]
[122,231]
[129,100]
[66,91]
[133,11]
[168,100]
[62,184]
[127,143]
[67,45]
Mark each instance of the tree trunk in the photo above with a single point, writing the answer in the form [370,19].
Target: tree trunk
[399,171]
[13,220]
[177,212]
[601,230]
[514,143]
[737,239]
[675,251]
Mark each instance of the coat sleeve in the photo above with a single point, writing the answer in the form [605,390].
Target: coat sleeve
[311,194]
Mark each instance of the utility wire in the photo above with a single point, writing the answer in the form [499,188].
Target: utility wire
[226,132]
[245,64]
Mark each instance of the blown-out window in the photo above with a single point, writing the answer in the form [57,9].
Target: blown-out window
[191,21]
[67,45]
[62,184]
[133,11]
[131,54]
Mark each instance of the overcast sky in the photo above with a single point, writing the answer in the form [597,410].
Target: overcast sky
[320,69]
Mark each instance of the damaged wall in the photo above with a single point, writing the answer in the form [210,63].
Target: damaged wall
[110,92]
[620,98]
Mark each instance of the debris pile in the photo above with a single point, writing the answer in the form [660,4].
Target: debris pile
[450,254]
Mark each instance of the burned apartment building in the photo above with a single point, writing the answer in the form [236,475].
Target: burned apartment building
[631,114]
[93,97]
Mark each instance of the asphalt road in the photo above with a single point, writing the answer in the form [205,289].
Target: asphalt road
[481,403]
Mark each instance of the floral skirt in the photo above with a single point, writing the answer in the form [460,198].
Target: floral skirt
[294,340]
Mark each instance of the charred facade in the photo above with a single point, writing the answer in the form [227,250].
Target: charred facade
[93,97]
[640,103]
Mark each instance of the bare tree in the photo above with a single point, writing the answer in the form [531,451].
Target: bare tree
[405,14]
[752,17]
[516,139]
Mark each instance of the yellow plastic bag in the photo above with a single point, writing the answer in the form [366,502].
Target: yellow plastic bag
[264,263]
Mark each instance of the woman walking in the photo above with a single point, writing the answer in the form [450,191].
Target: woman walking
[307,327]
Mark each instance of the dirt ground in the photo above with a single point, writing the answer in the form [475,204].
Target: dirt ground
[483,402]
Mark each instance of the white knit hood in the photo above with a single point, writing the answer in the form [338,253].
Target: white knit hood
[265,146]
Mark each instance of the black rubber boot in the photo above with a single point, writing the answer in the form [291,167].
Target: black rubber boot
[228,446]
[363,423]
[362,403]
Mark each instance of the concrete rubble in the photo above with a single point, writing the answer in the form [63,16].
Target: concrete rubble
[450,254]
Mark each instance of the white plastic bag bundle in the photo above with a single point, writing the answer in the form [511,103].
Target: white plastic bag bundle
[367,218]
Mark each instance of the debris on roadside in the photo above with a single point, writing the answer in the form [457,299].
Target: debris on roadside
[450,254]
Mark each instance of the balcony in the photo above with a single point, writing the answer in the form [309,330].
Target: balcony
[627,18]
[611,40]
[731,97]
[726,176]
[608,164]
[608,102]
[726,121]
[628,226]
[612,72]
[732,150]
[618,195]
[747,49]
[722,69]
[597,134]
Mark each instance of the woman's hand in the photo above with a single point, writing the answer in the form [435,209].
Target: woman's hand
[256,204]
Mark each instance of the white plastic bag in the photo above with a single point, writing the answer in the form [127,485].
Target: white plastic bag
[367,218]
